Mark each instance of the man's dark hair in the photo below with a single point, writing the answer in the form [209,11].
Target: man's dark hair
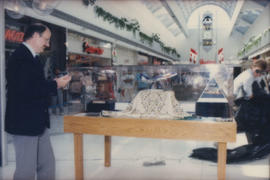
[260,63]
[257,57]
[37,27]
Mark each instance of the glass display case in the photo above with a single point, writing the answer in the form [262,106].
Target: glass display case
[202,91]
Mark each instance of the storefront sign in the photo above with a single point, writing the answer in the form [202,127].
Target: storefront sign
[202,61]
[91,49]
[14,35]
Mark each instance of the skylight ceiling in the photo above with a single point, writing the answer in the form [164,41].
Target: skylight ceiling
[250,11]
[174,15]
[250,15]
[262,2]
[188,6]
[185,8]
[160,12]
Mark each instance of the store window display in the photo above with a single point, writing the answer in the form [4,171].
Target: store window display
[58,100]
[88,88]
[187,83]
[143,80]
[105,80]
[104,97]
[127,83]
[162,79]
[75,85]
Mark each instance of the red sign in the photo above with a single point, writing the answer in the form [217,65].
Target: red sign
[202,61]
[14,36]
[91,49]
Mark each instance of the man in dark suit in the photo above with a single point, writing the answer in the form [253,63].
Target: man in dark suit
[27,117]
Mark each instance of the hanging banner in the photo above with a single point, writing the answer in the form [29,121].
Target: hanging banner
[220,55]
[193,56]
[207,31]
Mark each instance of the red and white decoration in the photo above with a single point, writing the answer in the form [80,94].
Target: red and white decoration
[114,54]
[220,55]
[193,56]
[91,49]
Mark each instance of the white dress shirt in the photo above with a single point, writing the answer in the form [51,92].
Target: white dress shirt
[243,82]
[30,49]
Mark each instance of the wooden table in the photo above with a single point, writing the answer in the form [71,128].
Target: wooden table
[221,132]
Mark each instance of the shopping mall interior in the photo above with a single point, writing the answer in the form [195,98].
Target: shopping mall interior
[152,84]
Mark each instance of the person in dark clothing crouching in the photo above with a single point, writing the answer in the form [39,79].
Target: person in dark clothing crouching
[251,99]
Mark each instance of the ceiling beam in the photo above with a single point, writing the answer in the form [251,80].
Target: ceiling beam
[235,15]
[176,15]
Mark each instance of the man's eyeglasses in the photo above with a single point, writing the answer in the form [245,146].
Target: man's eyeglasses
[259,71]
[46,39]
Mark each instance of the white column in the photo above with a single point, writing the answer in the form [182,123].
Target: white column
[2,84]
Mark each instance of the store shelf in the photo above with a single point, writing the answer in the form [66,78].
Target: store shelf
[89,55]
[260,52]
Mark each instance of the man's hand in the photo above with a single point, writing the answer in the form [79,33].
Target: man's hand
[62,81]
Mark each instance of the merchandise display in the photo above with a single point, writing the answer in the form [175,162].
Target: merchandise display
[152,103]
[192,92]
[212,102]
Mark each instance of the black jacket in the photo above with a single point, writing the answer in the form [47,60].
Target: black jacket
[27,94]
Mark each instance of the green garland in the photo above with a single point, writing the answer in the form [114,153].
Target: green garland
[134,26]
[252,42]
[121,23]
[145,38]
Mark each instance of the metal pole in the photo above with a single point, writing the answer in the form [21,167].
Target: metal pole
[2,86]
[200,38]
[216,38]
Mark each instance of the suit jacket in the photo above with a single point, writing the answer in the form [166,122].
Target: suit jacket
[28,94]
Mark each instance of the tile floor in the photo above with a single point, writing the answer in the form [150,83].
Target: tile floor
[129,156]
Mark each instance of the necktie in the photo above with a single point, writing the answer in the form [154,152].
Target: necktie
[37,60]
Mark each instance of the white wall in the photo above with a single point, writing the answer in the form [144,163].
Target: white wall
[75,43]
[125,56]
[230,47]
[191,42]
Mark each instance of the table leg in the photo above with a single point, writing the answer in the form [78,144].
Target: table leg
[78,156]
[222,157]
[107,151]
